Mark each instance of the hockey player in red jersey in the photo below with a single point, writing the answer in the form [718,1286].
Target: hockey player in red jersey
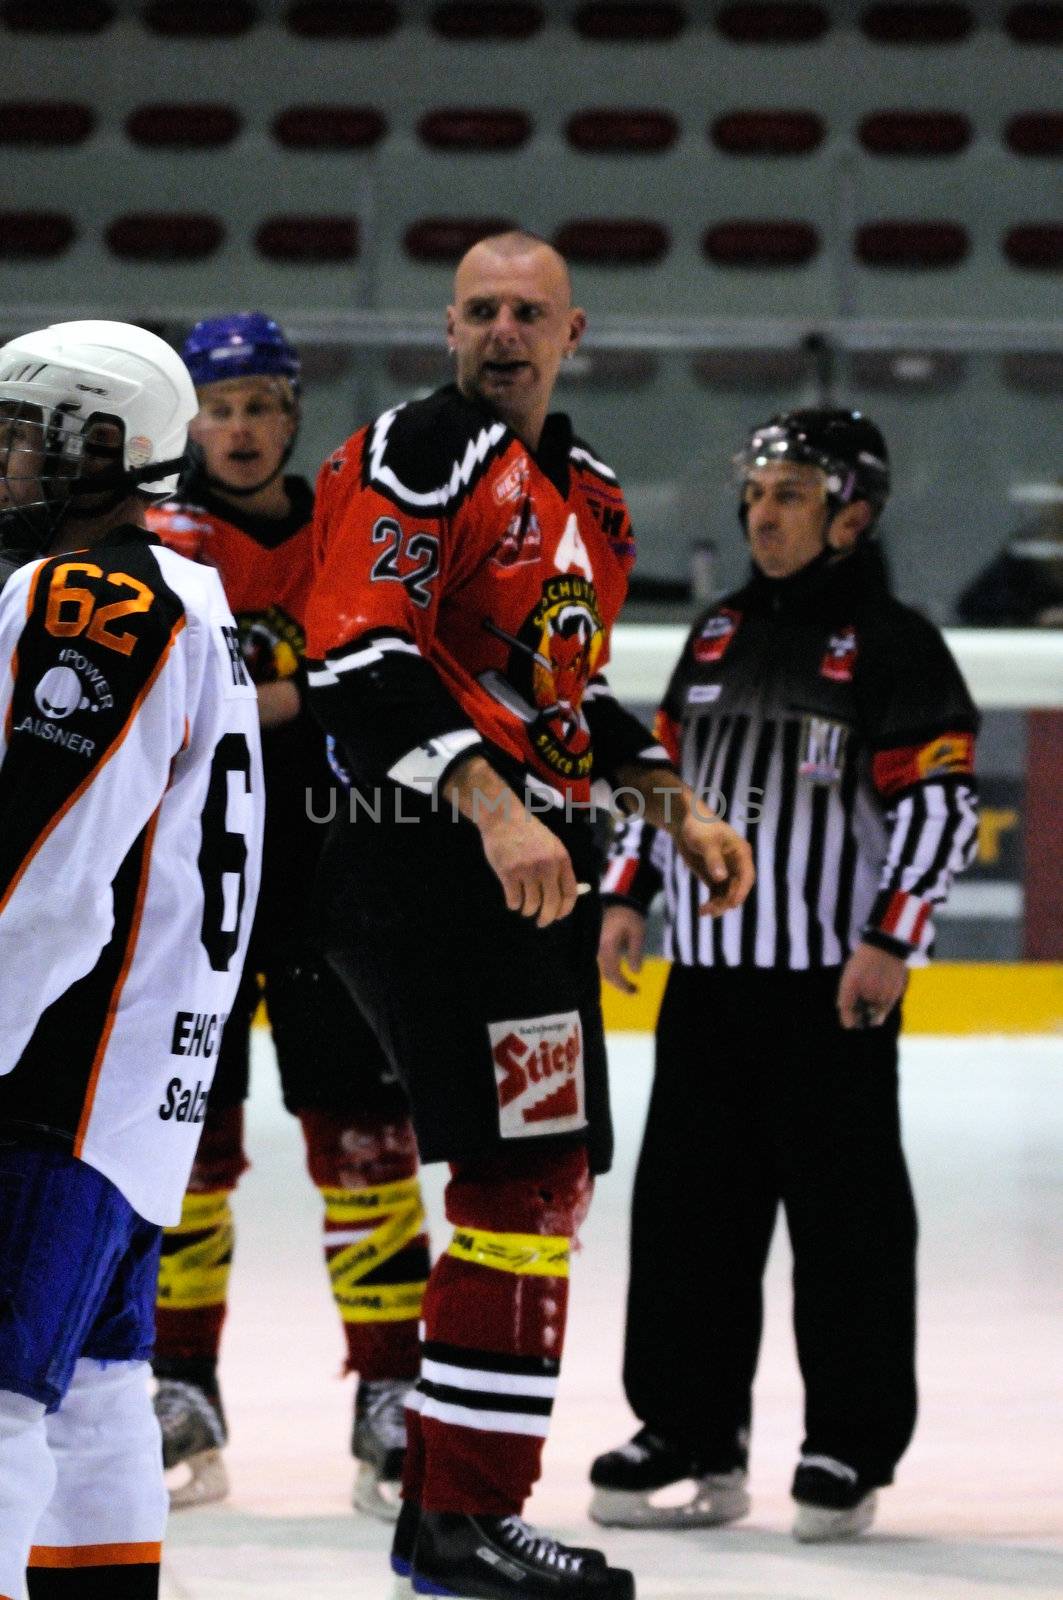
[241,513]
[472,558]
[130,840]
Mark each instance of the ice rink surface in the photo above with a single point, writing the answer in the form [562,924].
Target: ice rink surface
[978,1507]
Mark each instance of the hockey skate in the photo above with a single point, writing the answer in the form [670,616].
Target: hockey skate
[648,1484]
[832,1503]
[378,1444]
[404,1543]
[496,1558]
[193,1429]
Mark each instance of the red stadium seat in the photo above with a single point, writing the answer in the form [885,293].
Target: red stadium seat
[57,16]
[45,122]
[34,235]
[613,242]
[465,20]
[611,369]
[446,239]
[912,246]
[466,128]
[191,19]
[1036,246]
[622,132]
[915,133]
[329,127]
[339,19]
[1036,24]
[928,371]
[189,127]
[755,370]
[1039,370]
[937,23]
[628,23]
[773,23]
[419,366]
[308,239]
[1035,133]
[768,133]
[747,243]
[164,237]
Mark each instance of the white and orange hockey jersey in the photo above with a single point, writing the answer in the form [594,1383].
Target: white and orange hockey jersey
[130,841]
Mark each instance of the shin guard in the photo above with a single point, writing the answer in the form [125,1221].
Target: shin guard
[27,1482]
[494,1320]
[376,1246]
[102,1532]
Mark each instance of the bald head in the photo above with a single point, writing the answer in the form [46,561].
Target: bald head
[511,325]
[500,250]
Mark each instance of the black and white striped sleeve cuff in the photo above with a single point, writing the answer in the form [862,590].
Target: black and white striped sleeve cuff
[390,713]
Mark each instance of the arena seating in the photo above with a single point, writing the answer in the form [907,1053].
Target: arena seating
[749,159]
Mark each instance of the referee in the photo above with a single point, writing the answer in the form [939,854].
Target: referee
[831,726]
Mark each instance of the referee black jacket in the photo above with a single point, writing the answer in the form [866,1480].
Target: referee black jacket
[831,727]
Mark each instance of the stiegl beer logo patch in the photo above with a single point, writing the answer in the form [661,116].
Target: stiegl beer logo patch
[539,1075]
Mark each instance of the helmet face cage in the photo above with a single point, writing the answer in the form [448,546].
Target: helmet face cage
[89,410]
[843,445]
[41,452]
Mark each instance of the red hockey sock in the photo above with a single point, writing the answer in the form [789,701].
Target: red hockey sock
[197,1252]
[494,1318]
[376,1246]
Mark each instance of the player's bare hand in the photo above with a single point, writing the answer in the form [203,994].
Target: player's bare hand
[717,855]
[531,864]
[871,984]
[622,942]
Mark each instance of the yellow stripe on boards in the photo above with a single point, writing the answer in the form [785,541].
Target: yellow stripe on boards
[951,997]
[545,1256]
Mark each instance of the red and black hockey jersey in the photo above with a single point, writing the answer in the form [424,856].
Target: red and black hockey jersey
[266,569]
[265,563]
[466,589]
[130,835]
[830,725]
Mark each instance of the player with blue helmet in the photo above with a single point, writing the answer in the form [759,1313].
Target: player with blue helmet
[240,511]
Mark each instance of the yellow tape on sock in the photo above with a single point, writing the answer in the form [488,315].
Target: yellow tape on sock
[359,1301]
[195,1275]
[543,1255]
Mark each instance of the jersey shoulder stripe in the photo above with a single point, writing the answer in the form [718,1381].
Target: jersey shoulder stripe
[427,456]
[98,629]
[585,459]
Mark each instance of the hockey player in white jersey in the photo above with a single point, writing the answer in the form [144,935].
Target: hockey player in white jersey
[130,836]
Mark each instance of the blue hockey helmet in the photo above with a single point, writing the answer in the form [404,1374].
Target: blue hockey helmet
[246,344]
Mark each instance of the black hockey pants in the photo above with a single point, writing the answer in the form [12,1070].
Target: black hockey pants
[760,1097]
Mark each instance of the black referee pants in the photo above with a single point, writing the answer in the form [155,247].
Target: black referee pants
[760,1097]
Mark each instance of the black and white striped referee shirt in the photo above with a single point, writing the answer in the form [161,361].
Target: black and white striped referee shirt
[832,728]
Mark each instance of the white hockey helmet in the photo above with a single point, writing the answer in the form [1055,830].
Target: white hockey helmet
[59,380]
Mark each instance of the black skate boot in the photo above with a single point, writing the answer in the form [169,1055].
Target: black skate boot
[192,1422]
[378,1444]
[499,1558]
[648,1483]
[404,1541]
[833,1502]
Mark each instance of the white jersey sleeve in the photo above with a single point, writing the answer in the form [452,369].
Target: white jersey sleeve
[130,843]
